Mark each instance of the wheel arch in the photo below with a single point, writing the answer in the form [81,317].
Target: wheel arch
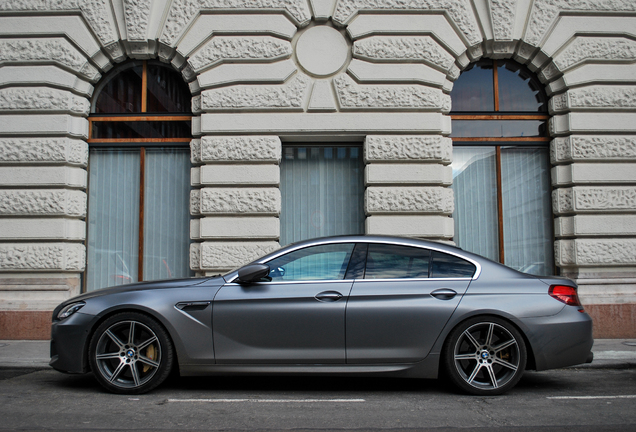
[123,309]
[454,323]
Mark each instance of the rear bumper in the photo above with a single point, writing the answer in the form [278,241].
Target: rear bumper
[69,339]
[561,340]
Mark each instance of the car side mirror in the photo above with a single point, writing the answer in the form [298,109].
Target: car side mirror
[253,273]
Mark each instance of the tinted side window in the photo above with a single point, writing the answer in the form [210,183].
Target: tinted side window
[396,262]
[326,262]
[449,266]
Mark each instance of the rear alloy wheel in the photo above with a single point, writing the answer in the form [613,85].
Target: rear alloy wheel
[485,356]
[130,353]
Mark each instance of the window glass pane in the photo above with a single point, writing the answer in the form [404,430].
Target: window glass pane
[313,263]
[519,90]
[141,129]
[527,210]
[450,266]
[166,214]
[113,218]
[396,262]
[122,92]
[475,188]
[498,128]
[322,190]
[167,92]
[473,90]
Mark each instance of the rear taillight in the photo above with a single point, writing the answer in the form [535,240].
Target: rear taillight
[566,294]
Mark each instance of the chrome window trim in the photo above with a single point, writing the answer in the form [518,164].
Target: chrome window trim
[369,241]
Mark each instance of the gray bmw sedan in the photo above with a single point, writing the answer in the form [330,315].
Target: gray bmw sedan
[366,305]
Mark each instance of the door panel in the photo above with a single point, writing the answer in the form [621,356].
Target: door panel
[281,322]
[398,321]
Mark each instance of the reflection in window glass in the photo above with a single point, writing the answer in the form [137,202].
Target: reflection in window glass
[475,188]
[519,90]
[396,262]
[121,93]
[527,210]
[167,92]
[473,90]
[450,266]
[327,262]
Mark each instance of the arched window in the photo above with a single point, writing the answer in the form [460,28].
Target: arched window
[139,176]
[501,168]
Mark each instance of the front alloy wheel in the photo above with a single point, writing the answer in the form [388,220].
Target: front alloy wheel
[130,353]
[485,356]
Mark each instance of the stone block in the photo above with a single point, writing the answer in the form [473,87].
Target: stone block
[598,97]
[62,176]
[594,148]
[231,175]
[408,148]
[236,201]
[50,151]
[401,200]
[589,74]
[430,227]
[42,202]
[406,48]
[595,225]
[594,199]
[44,124]
[240,228]
[594,173]
[379,174]
[224,256]
[42,257]
[591,252]
[353,96]
[42,229]
[238,149]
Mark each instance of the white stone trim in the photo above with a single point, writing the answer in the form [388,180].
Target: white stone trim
[595,225]
[233,174]
[384,174]
[223,256]
[431,227]
[39,229]
[44,124]
[408,200]
[43,151]
[594,199]
[239,227]
[62,176]
[594,173]
[236,201]
[586,252]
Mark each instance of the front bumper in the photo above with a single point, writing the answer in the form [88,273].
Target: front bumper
[69,341]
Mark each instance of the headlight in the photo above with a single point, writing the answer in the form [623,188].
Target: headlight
[69,310]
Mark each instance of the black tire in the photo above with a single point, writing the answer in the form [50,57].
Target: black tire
[130,353]
[485,356]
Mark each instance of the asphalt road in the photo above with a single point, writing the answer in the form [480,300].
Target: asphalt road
[562,400]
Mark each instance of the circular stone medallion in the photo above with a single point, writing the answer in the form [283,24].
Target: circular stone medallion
[322,50]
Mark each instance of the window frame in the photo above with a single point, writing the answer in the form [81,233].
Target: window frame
[499,142]
[136,143]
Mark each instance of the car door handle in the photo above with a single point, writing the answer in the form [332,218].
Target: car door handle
[444,294]
[328,296]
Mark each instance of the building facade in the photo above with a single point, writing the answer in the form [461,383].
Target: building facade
[148,139]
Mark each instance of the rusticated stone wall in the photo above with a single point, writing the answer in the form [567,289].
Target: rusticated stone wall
[260,76]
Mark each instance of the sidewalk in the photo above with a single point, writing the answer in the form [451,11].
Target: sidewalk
[608,354]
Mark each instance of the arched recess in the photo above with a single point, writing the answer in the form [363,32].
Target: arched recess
[501,165]
[139,176]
